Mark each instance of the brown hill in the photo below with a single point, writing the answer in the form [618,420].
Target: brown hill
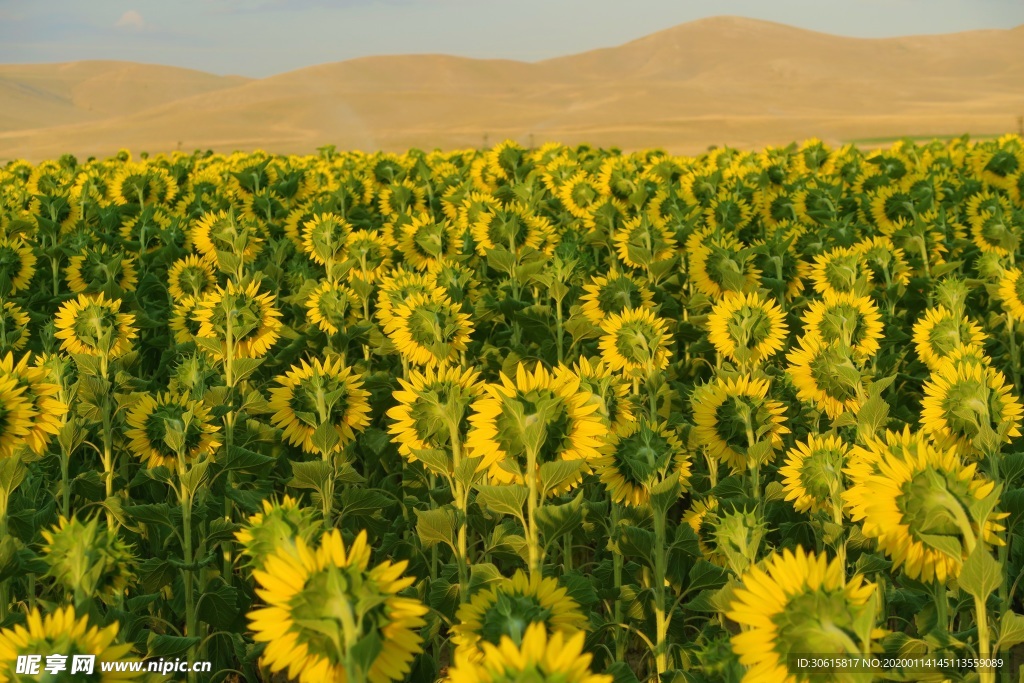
[716,81]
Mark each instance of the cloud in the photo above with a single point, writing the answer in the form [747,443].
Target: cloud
[131,20]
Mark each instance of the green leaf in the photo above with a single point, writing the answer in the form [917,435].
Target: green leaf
[559,474]
[503,500]
[635,543]
[706,576]
[209,344]
[217,604]
[435,459]
[437,526]
[10,563]
[621,673]
[483,575]
[366,650]
[244,460]
[325,438]
[871,418]
[151,514]
[243,367]
[981,573]
[950,545]
[1011,631]
[1012,467]
[195,476]
[359,502]
[12,473]
[554,521]
[168,646]
[314,475]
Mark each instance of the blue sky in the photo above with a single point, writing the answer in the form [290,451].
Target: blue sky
[263,37]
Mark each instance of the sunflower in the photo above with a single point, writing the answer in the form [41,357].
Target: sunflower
[996,233]
[813,472]
[142,184]
[14,329]
[886,262]
[1011,292]
[88,560]
[147,228]
[641,460]
[939,333]
[640,243]
[509,607]
[324,237]
[841,270]
[702,518]
[403,197]
[847,319]
[918,507]
[746,328]
[429,331]
[890,206]
[368,254]
[398,286]
[720,264]
[274,528]
[97,269]
[327,606]
[224,233]
[42,395]
[457,281]
[17,265]
[539,659]
[635,342]
[547,413]
[728,413]
[614,293]
[430,403]
[333,306]
[60,632]
[240,312]
[578,193]
[192,276]
[182,321]
[93,325]
[425,241]
[322,393]
[608,390]
[969,405]
[799,603]
[157,422]
[825,375]
[514,228]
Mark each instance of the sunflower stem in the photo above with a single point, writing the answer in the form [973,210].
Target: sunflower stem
[558,329]
[65,480]
[462,503]
[660,617]
[837,519]
[108,445]
[620,635]
[985,675]
[941,604]
[1011,335]
[187,575]
[229,431]
[532,503]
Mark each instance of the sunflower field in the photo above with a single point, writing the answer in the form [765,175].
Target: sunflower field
[554,415]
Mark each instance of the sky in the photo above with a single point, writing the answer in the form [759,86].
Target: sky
[258,38]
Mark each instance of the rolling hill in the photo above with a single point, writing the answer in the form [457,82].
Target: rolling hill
[723,80]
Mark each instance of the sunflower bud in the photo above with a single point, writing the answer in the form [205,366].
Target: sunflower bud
[88,561]
[738,535]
